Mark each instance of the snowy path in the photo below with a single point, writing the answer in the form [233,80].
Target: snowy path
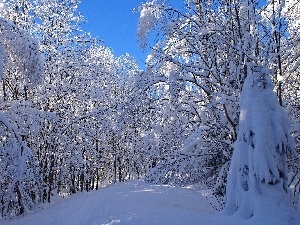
[136,203]
[129,203]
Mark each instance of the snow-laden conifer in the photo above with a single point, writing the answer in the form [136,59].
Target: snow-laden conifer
[258,174]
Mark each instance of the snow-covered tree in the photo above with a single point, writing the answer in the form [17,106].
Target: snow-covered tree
[211,44]
[258,173]
[207,82]
[19,12]
[21,66]
[20,176]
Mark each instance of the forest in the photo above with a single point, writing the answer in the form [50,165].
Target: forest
[218,103]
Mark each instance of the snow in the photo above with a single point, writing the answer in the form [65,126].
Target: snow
[136,202]
[16,171]
[257,177]
[18,47]
[150,15]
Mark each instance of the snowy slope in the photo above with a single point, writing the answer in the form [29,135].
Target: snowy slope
[131,203]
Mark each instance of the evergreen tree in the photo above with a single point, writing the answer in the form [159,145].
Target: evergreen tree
[258,174]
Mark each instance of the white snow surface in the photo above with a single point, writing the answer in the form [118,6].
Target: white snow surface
[136,202]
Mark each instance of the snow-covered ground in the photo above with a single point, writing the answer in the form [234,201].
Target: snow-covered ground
[139,203]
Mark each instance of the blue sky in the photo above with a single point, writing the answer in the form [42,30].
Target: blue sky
[114,22]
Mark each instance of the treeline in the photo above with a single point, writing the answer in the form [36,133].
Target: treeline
[69,109]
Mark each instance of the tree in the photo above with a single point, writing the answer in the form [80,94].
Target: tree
[211,44]
[20,175]
[21,65]
[209,72]
[258,173]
